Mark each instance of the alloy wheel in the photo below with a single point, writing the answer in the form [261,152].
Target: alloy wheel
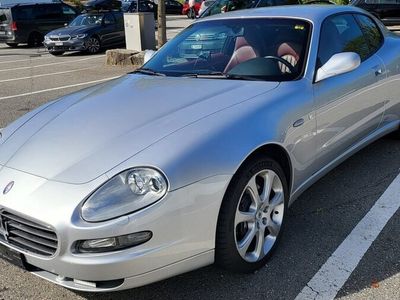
[93,45]
[259,216]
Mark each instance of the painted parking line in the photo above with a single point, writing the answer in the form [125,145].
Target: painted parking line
[58,88]
[44,75]
[23,60]
[52,64]
[331,277]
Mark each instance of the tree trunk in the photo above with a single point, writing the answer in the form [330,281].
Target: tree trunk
[162,24]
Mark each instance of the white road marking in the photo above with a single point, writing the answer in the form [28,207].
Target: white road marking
[331,277]
[52,64]
[23,60]
[43,75]
[58,88]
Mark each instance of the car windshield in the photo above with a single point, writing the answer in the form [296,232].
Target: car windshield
[92,19]
[272,49]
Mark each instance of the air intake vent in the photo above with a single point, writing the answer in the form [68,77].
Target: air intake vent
[28,235]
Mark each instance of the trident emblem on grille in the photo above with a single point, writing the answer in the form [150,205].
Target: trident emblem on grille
[8,187]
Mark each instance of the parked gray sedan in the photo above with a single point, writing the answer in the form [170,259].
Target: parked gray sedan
[195,157]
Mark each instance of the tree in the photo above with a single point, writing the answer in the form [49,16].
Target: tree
[162,24]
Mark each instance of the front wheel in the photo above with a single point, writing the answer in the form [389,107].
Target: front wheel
[252,214]
[93,45]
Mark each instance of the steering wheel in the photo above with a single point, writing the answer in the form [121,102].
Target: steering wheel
[285,62]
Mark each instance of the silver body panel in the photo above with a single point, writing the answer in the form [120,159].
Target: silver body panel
[198,132]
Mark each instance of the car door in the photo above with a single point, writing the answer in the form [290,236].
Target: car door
[109,31]
[350,105]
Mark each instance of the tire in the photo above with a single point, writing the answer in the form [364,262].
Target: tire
[12,45]
[56,53]
[35,39]
[259,235]
[93,45]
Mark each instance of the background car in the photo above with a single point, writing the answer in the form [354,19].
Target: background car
[186,8]
[222,6]
[204,5]
[171,6]
[388,11]
[28,23]
[88,32]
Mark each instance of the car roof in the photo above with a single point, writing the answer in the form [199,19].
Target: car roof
[11,5]
[308,12]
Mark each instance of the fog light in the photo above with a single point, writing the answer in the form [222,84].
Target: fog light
[114,243]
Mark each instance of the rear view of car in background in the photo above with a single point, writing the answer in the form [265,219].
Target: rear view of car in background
[223,6]
[186,8]
[386,10]
[29,23]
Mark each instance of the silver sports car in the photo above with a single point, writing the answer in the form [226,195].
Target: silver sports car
[195,157]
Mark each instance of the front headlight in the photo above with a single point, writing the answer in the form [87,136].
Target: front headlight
[46,38]
[125,193]
[79,36]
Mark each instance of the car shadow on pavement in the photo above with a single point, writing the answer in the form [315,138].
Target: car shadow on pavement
[317,223]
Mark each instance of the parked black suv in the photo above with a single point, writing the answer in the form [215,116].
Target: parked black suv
[89,32]
[386,10]
[28,23]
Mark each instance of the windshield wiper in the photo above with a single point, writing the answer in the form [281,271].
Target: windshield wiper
[148,71]
[219,75]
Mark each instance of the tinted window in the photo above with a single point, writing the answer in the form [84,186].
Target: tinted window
[109,19]
[341,33]
[68,10]
[48,11]
[371,32]
[24,13]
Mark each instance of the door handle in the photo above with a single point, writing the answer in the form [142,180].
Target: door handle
[378,71]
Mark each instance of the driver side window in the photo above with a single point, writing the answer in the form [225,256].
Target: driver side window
[108,20]
[341,33]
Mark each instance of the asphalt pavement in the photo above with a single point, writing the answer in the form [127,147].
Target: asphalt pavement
[317,224]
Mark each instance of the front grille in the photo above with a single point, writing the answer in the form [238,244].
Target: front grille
[27,235]
[62,38]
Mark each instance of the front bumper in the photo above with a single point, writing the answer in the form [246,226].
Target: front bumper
[183,226]
[70,45]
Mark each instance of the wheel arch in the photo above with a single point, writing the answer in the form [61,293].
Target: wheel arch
[271,150]
[276,152]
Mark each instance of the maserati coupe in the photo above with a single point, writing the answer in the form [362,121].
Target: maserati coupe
[194,158]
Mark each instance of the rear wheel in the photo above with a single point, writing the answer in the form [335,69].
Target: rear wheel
[12,45]
[251,219]
[35,39]
[93,45]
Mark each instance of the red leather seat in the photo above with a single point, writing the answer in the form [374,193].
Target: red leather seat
[290,53]
[242,52]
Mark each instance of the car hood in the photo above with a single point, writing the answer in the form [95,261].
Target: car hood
[85,134]
[74,30]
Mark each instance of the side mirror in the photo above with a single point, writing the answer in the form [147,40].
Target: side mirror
[339,63]
[148,54]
